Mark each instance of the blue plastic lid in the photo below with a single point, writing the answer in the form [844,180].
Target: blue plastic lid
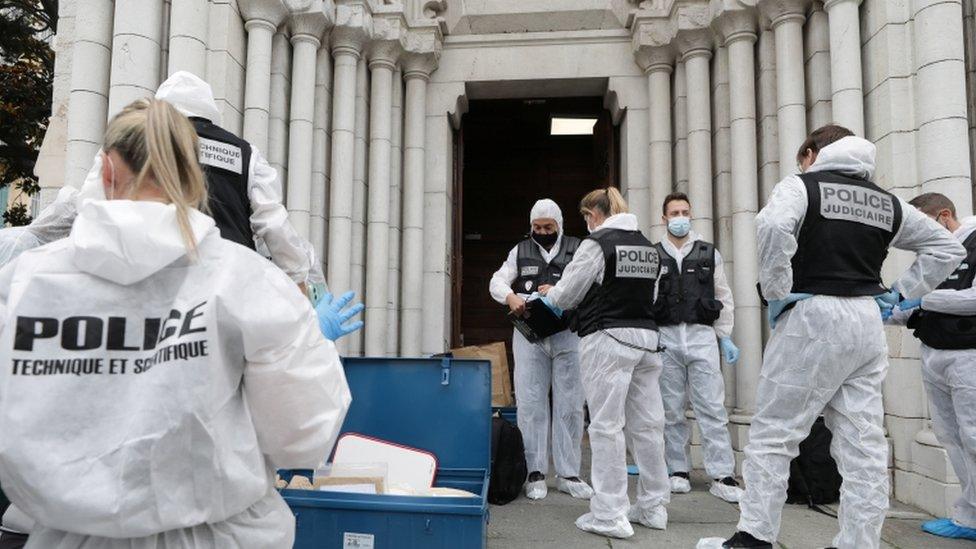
[442,406]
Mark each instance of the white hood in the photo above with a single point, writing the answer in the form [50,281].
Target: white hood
[623,221]
[191,96]
[850,155]
[124,241]
[546,209]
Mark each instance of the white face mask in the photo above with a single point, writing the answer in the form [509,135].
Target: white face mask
[679,226]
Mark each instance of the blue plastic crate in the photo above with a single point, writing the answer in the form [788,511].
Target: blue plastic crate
[439,405]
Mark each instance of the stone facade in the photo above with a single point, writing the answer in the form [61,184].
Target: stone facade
[356,102]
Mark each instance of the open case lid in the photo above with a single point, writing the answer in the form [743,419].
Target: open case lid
[439,405]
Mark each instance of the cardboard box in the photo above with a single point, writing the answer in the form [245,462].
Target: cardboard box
[501,382]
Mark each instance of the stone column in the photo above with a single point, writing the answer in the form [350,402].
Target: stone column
[847,98]
[137,35]
[280,98]
[768,125]
[721,153]
[654,54]
[188,36]
[383,56]
[321,147]
[262,19]
[941,103]
[88,98]
[418,63]
[680,110]
[396,214]
[787,17]
[348,36]
[739,29]
[358,266]
[817,54]
[306,37]
[695,48]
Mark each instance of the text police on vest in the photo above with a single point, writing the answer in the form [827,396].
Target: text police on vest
[637,262]
[857,204]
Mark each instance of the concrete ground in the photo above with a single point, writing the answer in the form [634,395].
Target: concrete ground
[549,524]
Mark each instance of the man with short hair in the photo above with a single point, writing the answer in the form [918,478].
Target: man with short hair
[694,313]
[945,321]
[823,237]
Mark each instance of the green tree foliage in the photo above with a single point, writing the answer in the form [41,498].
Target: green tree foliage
[26,77]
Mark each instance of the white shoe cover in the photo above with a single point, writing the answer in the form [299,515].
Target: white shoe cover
[731,494]
[619,528]
[536,490]
[710,543]
[680,485]
[577,489]
[656,518]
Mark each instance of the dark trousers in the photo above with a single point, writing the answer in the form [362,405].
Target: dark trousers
[9,540]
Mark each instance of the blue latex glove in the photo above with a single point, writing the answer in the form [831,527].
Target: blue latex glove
[729,351]
[333,319]
[907,304]
[553,308]
[891,297]
[887,309]
[776,306]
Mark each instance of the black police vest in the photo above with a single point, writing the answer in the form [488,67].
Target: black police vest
[534,270]
[845,235]
[945,331]
[625,299]
[226,159]
[687,295]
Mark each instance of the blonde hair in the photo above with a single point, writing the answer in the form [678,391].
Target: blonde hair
[607,201]
[160,146]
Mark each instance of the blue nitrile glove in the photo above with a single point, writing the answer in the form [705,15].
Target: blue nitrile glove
[553,308]
[776,306]
[886,308]
[907,304]
[729,350]
[332,317]
[891,297]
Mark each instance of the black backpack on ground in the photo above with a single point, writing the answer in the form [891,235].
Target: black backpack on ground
[508,468]
[814,479]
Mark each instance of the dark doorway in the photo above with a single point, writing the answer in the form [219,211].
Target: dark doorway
[509,159]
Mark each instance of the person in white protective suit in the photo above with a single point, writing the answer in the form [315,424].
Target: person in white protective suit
[158,373]
[611,284]
[822,239]
[695,313]
[245,191]
[945,321]
[551,363]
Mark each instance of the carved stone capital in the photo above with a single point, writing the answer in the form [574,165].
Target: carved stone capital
[310,20]
[781,11]
[732,25]
[272,12]
[353,27]
[389,36]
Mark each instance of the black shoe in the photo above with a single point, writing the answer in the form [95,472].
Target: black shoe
[728,481]
[744,540]
[535,476]
[681,474]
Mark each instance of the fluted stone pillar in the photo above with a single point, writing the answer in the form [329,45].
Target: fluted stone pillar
[321,148]
[137,35]
[396,216]
[817,55]
[768,125]
[721,153]
[417,67]
[88,98]
[383,56]
[680,125]
[739,30]
[695,49]
[188,28]
[280,98]
[847,97]
[358,265]
[306,36]
[262,18]
[787,18]
[941,102]
[348,37]
[657,62]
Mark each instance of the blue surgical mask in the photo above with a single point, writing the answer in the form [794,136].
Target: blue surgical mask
[679,226]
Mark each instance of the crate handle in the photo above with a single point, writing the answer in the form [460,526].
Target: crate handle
[445,371]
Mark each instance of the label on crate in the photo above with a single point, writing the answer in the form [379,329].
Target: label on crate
[357,541]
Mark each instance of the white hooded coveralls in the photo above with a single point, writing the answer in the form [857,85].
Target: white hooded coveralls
[269,219]
[829,355]
[693,371]
[148,397]
[622,389]
[551,363]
